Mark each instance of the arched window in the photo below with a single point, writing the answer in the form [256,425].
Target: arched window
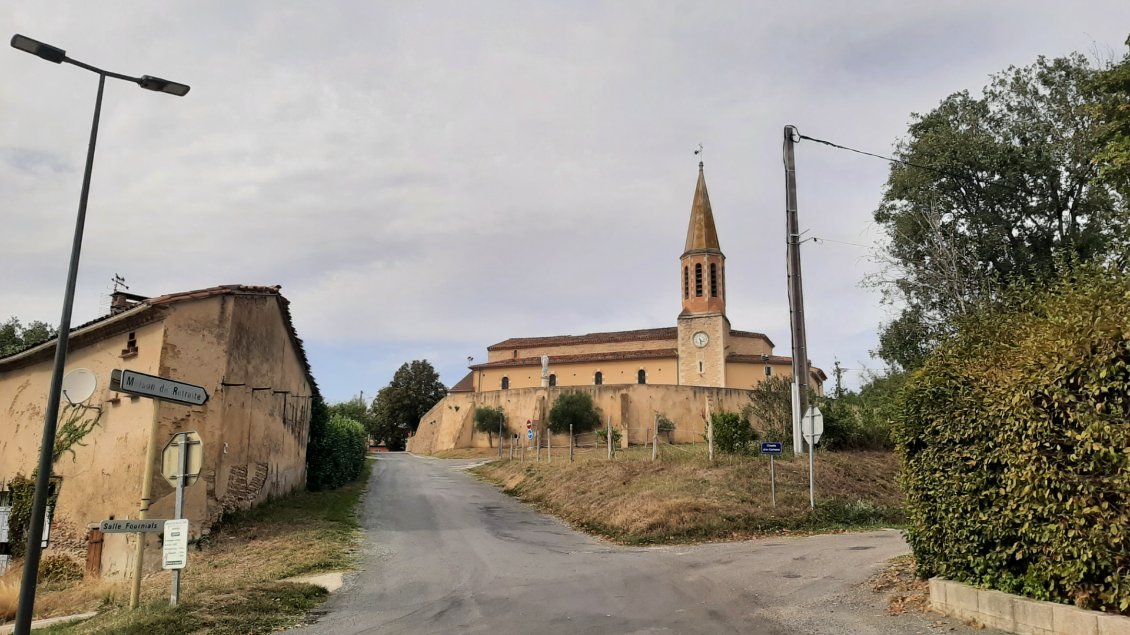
[686,282]
[698,279]
[598,378]
[505,383]
[552,379]
[713,280]
[641,377]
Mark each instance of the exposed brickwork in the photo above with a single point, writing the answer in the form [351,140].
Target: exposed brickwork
[243,492]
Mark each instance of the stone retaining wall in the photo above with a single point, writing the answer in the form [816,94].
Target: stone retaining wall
[1021,615]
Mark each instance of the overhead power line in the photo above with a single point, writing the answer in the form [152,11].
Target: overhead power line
[920,166]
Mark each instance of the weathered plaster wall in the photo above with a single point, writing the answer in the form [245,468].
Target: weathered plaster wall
[659,371]
[579,349]
[450,423]
[103,476]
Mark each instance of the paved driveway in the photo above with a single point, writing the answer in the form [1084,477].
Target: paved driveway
[448,554]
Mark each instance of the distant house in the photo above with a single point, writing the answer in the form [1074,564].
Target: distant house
[237,342]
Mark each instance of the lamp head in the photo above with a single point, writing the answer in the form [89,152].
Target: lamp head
[38,49]
[149,82]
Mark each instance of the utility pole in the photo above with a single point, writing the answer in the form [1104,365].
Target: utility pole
[796,293]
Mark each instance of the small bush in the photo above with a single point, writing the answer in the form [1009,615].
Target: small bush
[664,424]
[732,433]
[575,409]
[59,568]
[341,454]
[490,420]
[602,436]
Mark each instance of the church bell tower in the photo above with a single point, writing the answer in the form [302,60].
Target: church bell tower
[703,326]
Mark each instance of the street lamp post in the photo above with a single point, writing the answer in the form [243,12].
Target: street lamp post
[43,475]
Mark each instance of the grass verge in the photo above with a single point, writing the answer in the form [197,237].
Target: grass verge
[233,582]
[683,498]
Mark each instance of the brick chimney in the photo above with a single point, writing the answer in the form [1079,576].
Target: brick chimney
[121,301]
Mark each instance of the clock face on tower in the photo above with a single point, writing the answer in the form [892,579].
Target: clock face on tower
[700,339]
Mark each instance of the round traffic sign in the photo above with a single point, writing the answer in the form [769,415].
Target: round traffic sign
[529,424]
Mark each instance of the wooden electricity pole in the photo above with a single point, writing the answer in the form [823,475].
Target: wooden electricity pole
[796,294]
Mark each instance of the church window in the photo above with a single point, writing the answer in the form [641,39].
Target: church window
[505,383]
[713,280]
[686,282]
[641,377]
[698,279]
[598,378]
[552,379]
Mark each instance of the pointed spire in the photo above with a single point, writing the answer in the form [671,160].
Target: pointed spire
[701,234]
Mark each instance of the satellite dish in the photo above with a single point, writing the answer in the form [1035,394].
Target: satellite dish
[79,385]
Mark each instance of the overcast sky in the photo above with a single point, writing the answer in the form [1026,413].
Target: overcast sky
[427,178]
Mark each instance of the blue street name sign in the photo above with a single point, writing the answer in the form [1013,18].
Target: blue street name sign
[530,434]
[772,447]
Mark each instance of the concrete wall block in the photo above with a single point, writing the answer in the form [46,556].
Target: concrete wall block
[938,588]
[963,599]
[1114,625]
[995,608]
[1032,617]
[1068,620]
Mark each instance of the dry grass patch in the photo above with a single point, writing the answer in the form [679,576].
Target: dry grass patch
[906,593]
[683,498]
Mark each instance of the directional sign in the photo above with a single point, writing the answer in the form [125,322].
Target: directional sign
[530,434]
[812,423]
[772,447]
[170,459]
[135,383]
[132,526]
[175,552]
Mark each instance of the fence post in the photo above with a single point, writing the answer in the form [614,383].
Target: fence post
[571,443]
[710,437]
[537,442]
[608,436]
[655,441]
[548,445]
[499,440]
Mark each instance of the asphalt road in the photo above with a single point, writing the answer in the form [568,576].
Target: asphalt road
[445,553]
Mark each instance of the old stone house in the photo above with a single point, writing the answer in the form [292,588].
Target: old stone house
[237,342]
[684,372]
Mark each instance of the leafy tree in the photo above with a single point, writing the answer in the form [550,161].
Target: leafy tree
[576,409]
[357,410]
[732,433]
[771,403]
[1011,191]
[489,420]
[15,337]
[413,390]
[1112,109]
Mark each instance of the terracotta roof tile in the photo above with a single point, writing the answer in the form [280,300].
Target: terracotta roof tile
[641,335]
[467,384]
[584,357]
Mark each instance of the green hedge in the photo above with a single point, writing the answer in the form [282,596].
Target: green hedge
[1016,446]
[335,454]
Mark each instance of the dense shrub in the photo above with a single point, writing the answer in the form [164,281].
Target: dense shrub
[1014,440]
[732,433]
[59,568]
[576,409]
[335,454]
[602,436]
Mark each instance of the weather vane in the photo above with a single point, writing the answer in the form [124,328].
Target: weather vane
[698,153]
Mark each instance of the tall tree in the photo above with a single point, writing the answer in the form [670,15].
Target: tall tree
[414,389]
[1000,189]
[1112,108]
[14,336]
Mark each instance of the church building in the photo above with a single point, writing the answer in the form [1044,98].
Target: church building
[687,370]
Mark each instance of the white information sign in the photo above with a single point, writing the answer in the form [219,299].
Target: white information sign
[175,553]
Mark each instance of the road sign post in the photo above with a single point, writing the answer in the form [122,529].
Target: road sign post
[773,449]
[813,425]
[158,389]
